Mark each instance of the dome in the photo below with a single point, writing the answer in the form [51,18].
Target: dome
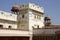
[15,8]
[47,18]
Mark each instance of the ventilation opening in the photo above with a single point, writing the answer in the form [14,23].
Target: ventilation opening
[1,26]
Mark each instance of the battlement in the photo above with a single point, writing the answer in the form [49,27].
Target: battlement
[32,7]
[8,16]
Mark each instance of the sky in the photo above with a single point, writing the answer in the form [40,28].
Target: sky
[51,7]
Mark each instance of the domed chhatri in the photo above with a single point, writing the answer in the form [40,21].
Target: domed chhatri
[15,8]
[47,18]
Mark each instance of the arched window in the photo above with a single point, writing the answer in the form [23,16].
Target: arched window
[1,26]
[10,27]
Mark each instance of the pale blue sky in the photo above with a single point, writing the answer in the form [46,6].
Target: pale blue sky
[51,7]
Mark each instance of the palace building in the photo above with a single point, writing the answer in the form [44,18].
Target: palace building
[20,22]
[27,22]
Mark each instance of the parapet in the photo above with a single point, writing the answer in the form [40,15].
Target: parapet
[32,7]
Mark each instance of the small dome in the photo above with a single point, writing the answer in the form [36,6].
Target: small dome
[15,8]
[47,18]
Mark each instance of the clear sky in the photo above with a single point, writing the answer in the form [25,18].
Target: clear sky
[51,7]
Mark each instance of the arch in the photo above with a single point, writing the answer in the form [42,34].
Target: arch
[1,26]
[9,26]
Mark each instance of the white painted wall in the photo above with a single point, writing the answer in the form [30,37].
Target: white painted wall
[32,6]
[23,21]
[33,21]
[7,24]
[8,16]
